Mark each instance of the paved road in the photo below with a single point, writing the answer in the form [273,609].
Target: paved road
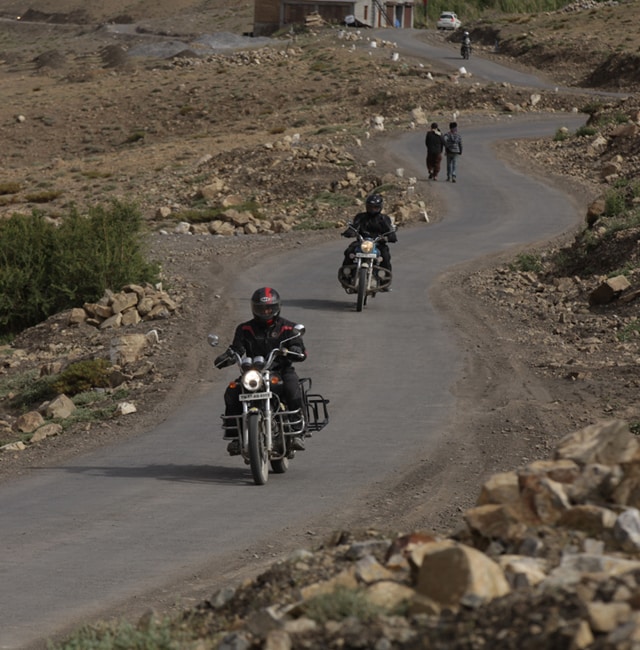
[421,44]
[109,527]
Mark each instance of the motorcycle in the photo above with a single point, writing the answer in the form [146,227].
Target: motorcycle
[266,425]
[365,277]
[465,49]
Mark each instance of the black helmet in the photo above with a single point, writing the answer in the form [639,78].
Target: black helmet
[374,204]
[265,304]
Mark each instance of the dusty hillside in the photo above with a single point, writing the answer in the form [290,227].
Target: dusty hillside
[169,16]
[83,121]
[587,44]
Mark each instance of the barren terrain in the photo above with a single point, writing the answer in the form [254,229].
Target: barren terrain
[82,121]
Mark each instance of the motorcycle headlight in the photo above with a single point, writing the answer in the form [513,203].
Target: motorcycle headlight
[366,246]
[252,381]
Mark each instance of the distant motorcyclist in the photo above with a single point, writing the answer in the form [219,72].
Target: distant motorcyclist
[371,223]
[258,337]
[466,44]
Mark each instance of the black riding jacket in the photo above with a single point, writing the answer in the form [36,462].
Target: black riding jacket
[256,338]
[434,142]
[372,225]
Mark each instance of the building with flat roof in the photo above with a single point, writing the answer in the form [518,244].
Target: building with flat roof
[271,15]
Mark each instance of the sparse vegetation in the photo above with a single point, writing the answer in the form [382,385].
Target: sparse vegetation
[340,604]
[527,262]
[43,197]
[586,131]
[156,636]
[630,331]
[46,269]
[9,188]
[82,376]
[561,134]
[98,404]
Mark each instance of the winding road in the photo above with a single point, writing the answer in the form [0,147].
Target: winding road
[100,533]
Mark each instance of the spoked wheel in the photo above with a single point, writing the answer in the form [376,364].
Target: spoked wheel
[362,289]
[257,449]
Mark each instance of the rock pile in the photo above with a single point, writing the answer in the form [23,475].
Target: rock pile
[88,334]
[548,558]
[133,304]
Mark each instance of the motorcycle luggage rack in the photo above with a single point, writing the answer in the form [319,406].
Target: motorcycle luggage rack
[317,413]
[292,422]
[316,407]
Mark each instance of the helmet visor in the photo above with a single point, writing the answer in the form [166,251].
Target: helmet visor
[265,311]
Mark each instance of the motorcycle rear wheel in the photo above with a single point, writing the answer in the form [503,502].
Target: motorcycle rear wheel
[280,465]
[258,459]
[362,289]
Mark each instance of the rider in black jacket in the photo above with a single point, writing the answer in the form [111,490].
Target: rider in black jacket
[371,224]
[258,337]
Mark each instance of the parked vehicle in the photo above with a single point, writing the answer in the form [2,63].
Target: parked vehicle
[365,277]
[448,20]
[266,425]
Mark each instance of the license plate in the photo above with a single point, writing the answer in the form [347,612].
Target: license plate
[366,255]
[247,397]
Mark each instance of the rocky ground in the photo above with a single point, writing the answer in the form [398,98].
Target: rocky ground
[272,142]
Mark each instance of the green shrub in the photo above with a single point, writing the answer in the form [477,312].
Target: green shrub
[584,131]
[136,136]
[630,331]
[561,135]
[614,203]
[527,262]
[340,604]
[33,394]
[110,636]
[10,188]
[82,376]
[46,269]
[45,196]
[592,108]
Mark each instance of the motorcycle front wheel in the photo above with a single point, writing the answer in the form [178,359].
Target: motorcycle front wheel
[362,289]
[258,459]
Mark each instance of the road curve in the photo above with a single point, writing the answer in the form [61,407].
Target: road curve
[107,528]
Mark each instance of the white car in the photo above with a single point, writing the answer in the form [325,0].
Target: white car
[448,20]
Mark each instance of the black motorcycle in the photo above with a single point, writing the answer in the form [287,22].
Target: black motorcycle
[465,49]
[365,277]
[266,425]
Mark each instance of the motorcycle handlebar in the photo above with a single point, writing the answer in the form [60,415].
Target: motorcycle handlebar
[279,351]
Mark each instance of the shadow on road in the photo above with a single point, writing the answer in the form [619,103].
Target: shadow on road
[180,473]
[325,305]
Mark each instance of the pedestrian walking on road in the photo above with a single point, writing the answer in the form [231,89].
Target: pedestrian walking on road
[435,146]
[453,149]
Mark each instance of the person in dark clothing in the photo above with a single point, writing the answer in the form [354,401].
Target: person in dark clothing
[258,337]
[371,224]
[435,146]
